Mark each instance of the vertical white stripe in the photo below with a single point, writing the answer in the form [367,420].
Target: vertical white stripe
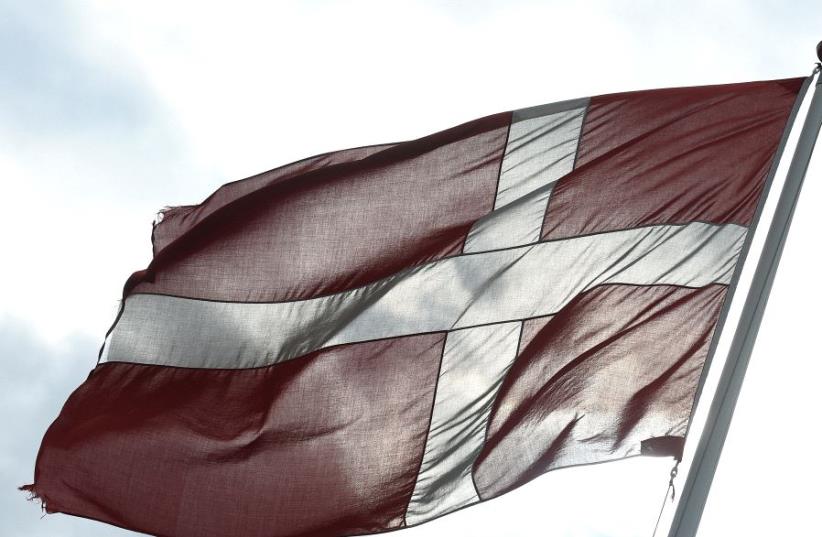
[474,364]
[541,147]
[540,150]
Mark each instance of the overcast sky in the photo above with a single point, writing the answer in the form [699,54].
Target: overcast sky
[111,110]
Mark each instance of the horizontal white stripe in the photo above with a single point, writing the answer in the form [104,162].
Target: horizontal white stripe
[457,292]
[474,362]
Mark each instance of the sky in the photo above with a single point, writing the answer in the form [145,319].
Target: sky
[111,110]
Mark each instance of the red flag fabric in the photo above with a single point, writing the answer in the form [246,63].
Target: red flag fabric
[369,339]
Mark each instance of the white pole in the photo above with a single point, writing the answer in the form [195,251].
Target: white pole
[706,457]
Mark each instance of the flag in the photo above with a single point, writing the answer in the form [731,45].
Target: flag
[369,339]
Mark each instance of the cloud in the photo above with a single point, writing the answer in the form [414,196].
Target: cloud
[77,112]
[51,88]
[88,154]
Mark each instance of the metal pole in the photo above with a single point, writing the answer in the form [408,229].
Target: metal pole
[706,457]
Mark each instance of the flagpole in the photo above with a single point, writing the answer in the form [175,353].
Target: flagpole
[706,457]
